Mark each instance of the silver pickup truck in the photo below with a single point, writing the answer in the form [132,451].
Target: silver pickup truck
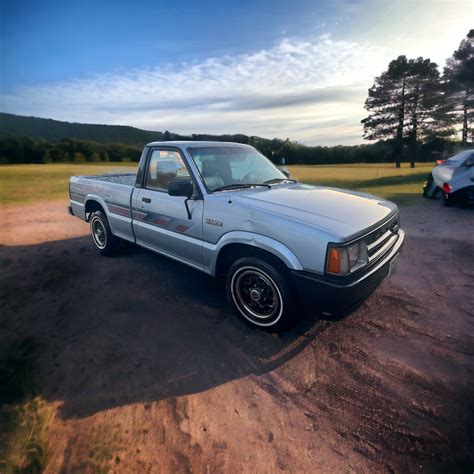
[227,210]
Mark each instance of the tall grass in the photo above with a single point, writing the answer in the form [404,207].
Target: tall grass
[24,416]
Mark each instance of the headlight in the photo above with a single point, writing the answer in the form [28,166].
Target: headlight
[343,260]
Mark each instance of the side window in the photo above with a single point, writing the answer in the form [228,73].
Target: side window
[163,167]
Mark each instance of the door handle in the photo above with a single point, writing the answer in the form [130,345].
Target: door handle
[147,200]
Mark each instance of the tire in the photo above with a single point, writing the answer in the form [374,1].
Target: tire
[260,294]
[448,200]
[102,236]
[427,188]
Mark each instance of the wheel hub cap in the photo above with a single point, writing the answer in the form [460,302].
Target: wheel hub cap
[255,295]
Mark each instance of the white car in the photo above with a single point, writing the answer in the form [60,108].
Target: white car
[455,177]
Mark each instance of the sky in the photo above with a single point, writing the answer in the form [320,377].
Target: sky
[280,68]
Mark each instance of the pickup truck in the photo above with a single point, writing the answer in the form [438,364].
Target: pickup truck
[227,210]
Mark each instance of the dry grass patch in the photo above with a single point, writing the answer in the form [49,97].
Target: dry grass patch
[24,416]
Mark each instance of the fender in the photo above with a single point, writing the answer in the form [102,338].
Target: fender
[211,251]
[101,201]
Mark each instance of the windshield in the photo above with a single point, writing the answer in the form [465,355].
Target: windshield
[230,166]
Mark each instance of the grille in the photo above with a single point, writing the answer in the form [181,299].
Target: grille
[381,240]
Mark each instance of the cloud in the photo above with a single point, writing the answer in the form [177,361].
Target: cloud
[282,91]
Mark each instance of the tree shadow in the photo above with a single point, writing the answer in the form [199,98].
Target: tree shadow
[135,328]
[392,180]
[374,182]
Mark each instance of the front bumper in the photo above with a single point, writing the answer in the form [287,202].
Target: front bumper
[338,295]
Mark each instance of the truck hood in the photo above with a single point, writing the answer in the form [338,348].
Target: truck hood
[345,214]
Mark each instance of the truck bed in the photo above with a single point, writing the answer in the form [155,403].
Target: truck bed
[113,192]
[119,178]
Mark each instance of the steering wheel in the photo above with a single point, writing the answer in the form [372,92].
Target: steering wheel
[250,177]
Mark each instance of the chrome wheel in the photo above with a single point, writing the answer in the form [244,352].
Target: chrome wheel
[99,233]
[256,296]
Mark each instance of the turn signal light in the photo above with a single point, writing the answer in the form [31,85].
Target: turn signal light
[334,261]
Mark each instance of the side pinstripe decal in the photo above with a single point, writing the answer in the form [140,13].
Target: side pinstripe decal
[159,220]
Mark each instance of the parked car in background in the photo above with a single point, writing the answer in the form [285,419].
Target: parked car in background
[455,178]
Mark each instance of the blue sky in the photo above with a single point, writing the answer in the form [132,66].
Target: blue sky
[272,68]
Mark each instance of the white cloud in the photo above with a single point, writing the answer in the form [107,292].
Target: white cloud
[312,91]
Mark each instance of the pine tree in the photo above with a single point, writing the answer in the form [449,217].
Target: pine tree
[401,104]
[458,81]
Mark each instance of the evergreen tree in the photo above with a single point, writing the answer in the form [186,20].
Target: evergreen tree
[401,104]
[458,80]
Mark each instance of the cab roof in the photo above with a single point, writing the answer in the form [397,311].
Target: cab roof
[195,143]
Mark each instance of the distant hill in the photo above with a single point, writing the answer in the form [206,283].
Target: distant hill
[54,130]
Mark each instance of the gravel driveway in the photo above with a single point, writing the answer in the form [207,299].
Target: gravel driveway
[142,359]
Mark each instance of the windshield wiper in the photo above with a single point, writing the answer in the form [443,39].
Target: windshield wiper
[279,180]
[240,186]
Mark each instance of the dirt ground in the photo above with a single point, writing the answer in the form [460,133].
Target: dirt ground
[150,371]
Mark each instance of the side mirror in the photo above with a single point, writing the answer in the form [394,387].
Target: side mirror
[181,187]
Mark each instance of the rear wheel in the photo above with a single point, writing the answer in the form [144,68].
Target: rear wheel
[260,294]
[102,236]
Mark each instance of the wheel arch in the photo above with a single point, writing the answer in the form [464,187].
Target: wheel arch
[93,204]
[258,246]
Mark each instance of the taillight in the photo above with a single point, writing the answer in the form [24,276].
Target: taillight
[447,188]
[440,162]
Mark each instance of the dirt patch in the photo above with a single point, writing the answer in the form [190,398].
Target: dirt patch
[149,370]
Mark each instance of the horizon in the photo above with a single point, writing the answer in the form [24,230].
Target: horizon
[269,69]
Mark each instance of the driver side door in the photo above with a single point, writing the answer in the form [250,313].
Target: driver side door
[160,221]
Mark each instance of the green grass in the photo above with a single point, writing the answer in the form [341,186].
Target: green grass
[34,183]
[24,415]
[402,185]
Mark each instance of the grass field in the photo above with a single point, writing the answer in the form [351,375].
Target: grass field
[401,185]
[32,183]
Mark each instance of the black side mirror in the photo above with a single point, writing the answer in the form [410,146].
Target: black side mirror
[181,187]
[184,188]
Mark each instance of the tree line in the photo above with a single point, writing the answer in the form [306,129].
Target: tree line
[18,150]
[26,150]
[411,103]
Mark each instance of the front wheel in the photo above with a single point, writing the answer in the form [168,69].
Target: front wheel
[102,236]
[260,294]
